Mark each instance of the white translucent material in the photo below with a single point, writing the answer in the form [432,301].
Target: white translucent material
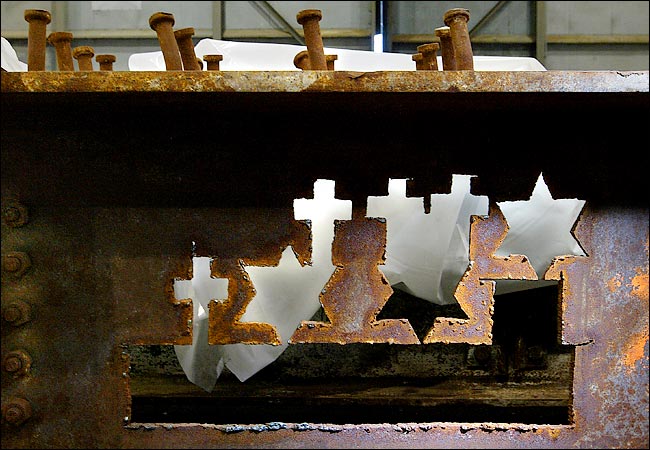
[279,57]
[10,61]
[426,255]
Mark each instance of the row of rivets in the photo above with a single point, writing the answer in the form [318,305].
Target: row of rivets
[453,41]
[62,43]
[17,363]
[177,47]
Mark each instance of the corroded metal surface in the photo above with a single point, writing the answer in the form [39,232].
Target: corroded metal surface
[324,81]
[225,326]
[309,19]
[475,291]
[569,271]
[36,38]
[456,19]
[357,291]
[112,218]
[162,23]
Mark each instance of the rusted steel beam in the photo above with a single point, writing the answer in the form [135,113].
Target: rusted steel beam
[339,81]
[224,316]
[106,241]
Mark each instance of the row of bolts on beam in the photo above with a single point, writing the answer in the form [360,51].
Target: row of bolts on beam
[178,50]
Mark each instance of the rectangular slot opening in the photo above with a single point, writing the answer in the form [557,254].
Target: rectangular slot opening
[525,376]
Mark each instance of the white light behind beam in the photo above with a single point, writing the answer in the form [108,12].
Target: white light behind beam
[378,43]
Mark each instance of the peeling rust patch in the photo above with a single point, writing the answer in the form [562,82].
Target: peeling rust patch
[640,284]
[635,350]
[615,282]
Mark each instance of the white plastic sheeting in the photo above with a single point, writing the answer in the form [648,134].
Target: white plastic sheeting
[10,61]
[260,56]
[426,255]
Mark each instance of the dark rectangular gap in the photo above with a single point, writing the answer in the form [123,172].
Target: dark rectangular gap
[524,377]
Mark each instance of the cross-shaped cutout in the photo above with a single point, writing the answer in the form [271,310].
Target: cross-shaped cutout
[201,362]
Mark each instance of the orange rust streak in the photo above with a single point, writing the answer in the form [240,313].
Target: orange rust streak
[614,283]
[634,351]
[640,284]
[224,317]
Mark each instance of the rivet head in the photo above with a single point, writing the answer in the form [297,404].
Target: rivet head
[454,13]
[38,14]
[16,263]
[14,215]
[17,312]
[160,17]
[308,14]
[16,411]
[12,364]
[58,37]
[17,362]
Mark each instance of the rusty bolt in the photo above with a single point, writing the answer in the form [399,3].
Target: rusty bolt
[16,263]
[456,19]
[162,23]
[61,40]
[446,48]
[105,61]
[429,57]
[17,313]
[17,363]
[16,411]
[14,215]
[329,60]
[418,58]
[186,48]
[309,19]
[212,61]
[84,56]
[301,60]
[36,40]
